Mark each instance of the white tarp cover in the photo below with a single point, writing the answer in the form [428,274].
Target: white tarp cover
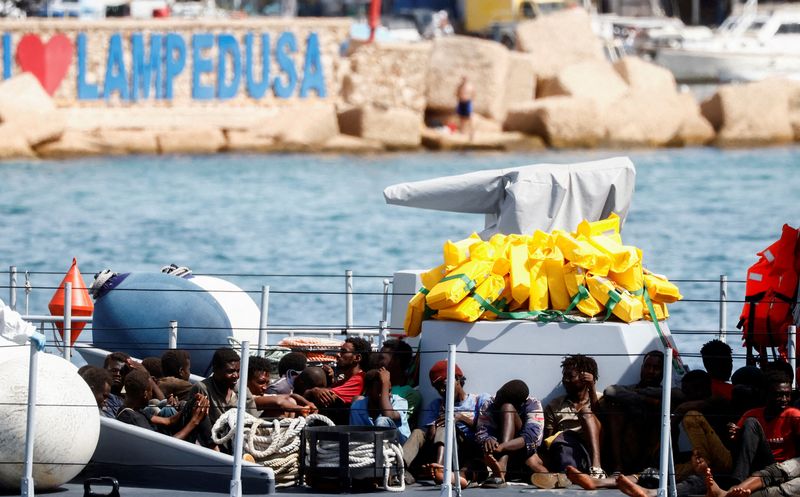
[524,199]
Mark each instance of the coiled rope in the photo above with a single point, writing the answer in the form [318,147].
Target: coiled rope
[274,444]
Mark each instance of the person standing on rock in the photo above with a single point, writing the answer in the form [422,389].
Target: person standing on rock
[465,93]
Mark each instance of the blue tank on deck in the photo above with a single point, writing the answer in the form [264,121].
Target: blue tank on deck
[133,311]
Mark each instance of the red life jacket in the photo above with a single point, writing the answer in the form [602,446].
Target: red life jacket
[770,293]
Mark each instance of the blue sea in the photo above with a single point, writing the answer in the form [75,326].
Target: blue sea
[697,214]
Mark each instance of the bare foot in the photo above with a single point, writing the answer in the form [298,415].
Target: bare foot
[699,463]
[437,472]
[629,488]
[494,466]
[712,489]
[738,492]
[583,480]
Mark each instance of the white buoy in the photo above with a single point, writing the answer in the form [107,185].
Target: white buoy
[67,422]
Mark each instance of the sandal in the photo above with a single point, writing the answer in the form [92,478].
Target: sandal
[597,473]
[494,482]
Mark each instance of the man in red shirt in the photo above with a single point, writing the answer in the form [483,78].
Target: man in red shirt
[767,434]
[351,361]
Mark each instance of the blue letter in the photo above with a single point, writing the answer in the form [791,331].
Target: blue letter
[201,65]
[313,79]
[86,91]
[254,89]
[116,78]
[227,45]
[144,71]
[6,55]
[285,41]
[174,64]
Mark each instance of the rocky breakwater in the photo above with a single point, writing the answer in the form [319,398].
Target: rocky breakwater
[556,90]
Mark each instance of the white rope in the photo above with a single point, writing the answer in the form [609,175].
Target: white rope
[273,444]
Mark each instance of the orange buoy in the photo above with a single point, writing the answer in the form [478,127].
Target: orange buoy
[82,304]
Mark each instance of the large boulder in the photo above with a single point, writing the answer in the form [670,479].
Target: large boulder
[346,144]
[569,122]
[484,62]
[14,144]
[304,126]
[643,119]
[438,140]
[558,40]
[695,130]
[197,140]
[394,128]
[644,76]
[794,109]
[750,114]
[387,74]
[249,141]
[128,141]
[521,80]
[27,106]
[596,80]
[73,143]
[524,117]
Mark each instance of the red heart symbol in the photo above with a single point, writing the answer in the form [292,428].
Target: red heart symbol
[48,62]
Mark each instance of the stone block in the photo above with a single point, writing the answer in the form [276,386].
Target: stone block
[596,80]
[199,140]
[558,40]
[645,76]
[73,143]
[14,144]
[524,117]
[481,124]
[437,140]
[249,141]
[521,79]
[394,128]
[695,130]
[387,75]
[752,114]
[643,119]
[484,62]
[345,144]
[571,122]
[128,141]
[26,105]
[304,126]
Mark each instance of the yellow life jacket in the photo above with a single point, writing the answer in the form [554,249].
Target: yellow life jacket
[575,276]
[661,289]
[632,279]
[628,308]
[539,296]
[520,272]
[608,227]
[458,283]
[582,254]
[622,256]
[455,253]
[472,307]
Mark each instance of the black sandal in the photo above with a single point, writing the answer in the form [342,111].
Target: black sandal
[494,482]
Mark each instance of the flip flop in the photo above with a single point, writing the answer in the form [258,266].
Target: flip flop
[494,482]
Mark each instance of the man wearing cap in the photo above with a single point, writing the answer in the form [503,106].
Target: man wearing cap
[430,435]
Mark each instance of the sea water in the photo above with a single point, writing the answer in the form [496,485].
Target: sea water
[696,214]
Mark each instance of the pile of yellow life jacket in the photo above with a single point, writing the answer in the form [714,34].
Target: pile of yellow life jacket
[544,277]
[770,293]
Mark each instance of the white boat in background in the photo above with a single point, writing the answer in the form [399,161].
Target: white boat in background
[746,47]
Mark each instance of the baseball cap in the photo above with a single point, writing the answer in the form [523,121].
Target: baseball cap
[438,371]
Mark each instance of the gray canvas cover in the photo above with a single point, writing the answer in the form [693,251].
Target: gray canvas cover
[524,199]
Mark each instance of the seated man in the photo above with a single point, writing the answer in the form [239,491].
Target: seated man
[379,407]
[115,363]
[431,435]
[221,389]
[289,367]
[510,424]
[571,429]
[99,381]
[768,434]
[176,366]
[334,402]
[632,416]
[273,405]
[718,361]
[397,356]
[138,393]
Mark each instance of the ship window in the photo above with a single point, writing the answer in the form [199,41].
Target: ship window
[789,28]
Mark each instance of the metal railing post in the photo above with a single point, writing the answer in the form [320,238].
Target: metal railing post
[666,391]
[385,310]
[12,287]
[723,307]
[238,443]
[67,339]
[449,423]
[348,289]
[792,346]
[173,335]
[262,324]
[26,483]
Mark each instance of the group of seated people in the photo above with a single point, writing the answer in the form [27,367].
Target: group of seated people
[732,434]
